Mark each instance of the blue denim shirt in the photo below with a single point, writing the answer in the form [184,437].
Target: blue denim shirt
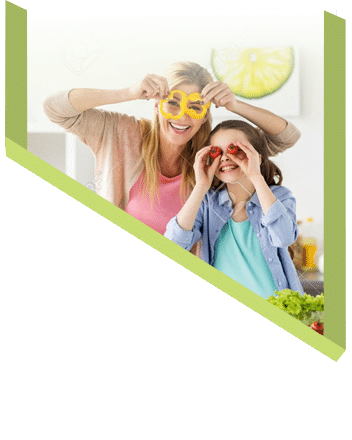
[276,230]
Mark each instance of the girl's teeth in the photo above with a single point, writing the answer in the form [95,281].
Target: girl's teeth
[229,168]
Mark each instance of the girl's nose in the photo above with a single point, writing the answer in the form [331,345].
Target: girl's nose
[224,157]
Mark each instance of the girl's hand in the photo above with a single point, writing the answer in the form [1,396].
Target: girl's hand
[204,173]
[151,86]
[250,165]
[220,94]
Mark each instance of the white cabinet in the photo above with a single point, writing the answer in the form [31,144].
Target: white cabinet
[63,151]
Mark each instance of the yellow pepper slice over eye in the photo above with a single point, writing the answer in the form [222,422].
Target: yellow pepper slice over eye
[192,113]
[183,105]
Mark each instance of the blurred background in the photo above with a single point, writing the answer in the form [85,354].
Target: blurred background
[114,49]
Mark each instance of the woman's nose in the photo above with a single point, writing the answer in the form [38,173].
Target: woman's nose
[186,119]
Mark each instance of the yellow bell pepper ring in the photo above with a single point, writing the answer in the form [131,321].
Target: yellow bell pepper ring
[183,106]
[183,103]
[192,113]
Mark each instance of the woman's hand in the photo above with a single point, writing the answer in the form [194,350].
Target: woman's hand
[151,86]
[220,94]
[250,165]
[204,173]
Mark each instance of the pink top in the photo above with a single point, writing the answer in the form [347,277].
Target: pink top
[157,216]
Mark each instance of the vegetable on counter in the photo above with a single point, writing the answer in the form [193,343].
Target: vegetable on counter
[318,327]
[306,308]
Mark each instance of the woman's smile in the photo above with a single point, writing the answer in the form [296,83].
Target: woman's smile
[179,128]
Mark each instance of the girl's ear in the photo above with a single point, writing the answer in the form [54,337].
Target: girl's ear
[260,157]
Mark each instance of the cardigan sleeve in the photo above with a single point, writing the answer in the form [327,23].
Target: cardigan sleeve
[280,142]
[95,127]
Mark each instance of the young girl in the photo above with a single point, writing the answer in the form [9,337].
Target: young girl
[245,220]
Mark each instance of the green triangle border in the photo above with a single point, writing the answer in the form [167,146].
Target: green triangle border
[333,343]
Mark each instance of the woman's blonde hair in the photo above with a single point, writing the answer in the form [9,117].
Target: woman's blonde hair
[176,73]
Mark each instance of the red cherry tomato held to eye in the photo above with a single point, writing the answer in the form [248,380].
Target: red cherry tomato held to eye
[214,152]
[232,149]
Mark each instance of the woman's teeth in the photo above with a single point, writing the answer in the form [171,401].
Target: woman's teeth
[179,128]
[229,167]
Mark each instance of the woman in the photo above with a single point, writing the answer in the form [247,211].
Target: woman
[135,157]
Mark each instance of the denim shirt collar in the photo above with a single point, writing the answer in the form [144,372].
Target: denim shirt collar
[225,198]
[254,199]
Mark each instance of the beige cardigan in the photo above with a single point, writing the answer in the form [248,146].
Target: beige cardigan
[115,140]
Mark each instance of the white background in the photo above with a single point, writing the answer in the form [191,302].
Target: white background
[131,44]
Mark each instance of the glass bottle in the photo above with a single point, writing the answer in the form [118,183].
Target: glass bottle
[309,243]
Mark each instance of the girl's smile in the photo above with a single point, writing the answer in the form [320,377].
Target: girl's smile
[228,171]
[226,168]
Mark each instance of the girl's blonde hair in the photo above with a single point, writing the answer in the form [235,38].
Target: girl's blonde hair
[176,73]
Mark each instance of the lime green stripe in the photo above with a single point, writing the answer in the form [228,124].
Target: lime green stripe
[16,74]
[335,180]
[170,249]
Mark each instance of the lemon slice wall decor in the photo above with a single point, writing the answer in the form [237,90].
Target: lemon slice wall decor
[253,73]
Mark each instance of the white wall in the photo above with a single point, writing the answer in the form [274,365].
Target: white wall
[37,143]
[128,47]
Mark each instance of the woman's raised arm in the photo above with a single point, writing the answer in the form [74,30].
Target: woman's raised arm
[279,134]
[75,111]
[85,99]
[94,127]
[270,123]
[151,86]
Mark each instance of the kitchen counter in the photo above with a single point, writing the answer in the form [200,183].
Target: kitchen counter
[312,282]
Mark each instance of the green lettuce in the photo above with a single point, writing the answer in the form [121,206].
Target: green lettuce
[297,305]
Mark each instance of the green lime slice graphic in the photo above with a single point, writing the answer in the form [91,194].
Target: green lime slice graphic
[254,72]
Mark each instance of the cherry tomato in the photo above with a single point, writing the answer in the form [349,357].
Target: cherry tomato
[214,152]
[232,149]
[318,327]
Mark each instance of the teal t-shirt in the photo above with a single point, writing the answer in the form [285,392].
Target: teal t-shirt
[238,255]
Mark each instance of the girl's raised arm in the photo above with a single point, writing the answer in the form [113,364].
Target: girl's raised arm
[185,229]
[204,177]
[186,217]
[280,219]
